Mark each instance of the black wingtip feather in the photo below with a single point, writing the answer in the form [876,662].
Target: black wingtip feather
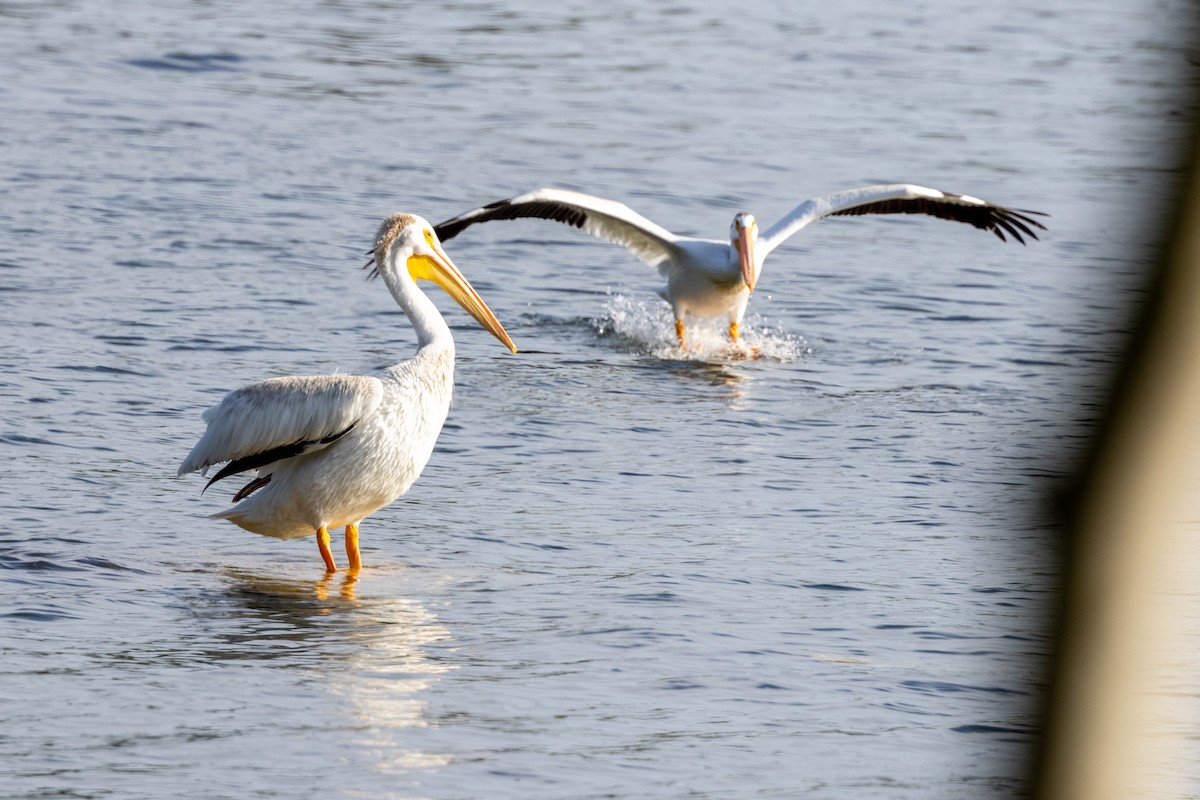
[507,209]
[256,460]
[251,487]
[1014,222]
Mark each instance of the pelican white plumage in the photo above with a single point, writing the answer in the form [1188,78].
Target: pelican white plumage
[332,449]
[713,278]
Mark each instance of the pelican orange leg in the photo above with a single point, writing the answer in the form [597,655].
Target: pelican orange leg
[733,331]
[323,546]
[352,547]
[679,333]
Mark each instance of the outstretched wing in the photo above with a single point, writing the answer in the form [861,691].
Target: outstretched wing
[279,418]
[905,198]
[607,219]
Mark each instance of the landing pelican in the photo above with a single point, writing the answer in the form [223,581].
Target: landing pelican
[330,450]
[713,278]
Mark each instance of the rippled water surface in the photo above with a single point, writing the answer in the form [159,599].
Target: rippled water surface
[628,571]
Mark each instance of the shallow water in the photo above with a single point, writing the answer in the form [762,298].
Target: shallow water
[628,571]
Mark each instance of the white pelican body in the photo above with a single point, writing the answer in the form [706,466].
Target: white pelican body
[393,420]
[331,450]
[714,278]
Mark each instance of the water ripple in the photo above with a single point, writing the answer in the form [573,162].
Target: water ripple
[190,62]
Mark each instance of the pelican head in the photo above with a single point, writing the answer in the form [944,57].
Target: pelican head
[407,241]
[742,235]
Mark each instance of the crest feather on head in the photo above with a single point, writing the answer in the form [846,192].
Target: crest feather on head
[388,231]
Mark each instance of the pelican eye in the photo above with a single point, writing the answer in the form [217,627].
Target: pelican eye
[429,235]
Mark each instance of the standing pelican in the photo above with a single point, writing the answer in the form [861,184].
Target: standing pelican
[332,449]
[713,278]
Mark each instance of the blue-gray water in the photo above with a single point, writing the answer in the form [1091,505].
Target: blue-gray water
[823,573]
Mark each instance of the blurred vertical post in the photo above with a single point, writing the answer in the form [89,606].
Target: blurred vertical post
[1115,722]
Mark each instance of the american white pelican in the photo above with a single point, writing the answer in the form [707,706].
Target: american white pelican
[332,449]
[712,278]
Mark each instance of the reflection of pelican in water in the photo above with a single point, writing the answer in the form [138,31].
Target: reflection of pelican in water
[345,586]
[369,651]
[293,599]
[712,374]
[730,385]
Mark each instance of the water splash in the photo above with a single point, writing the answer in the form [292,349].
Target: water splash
[646,326]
